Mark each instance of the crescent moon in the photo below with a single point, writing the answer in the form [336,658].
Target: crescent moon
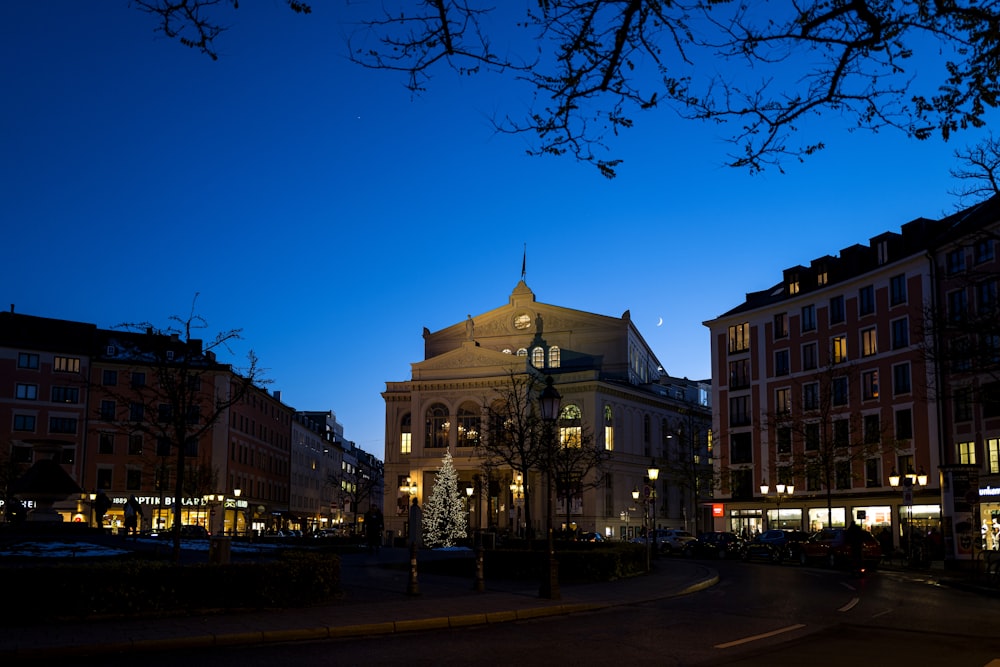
[660,323]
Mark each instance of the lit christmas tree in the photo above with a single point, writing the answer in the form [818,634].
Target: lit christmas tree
[444,511]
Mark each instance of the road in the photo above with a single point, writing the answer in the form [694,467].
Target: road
[757,614]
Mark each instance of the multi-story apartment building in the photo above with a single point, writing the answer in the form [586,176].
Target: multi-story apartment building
[830,388]
[316,463]
[612,388]
[100,402]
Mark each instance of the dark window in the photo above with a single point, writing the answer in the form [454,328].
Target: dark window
[836,310]
[873,475]
[135,444]
[65,395]
[872,429]
[739,411]
[741,484]
[739,374]
[104,478]
[900,333]
[841,433]
[809,318]
[133,479]
[956,261]
[19,454]
[958,306]
[107,410]
[986,297]
[984,251]
[843,474]
[67,455]
[839,387]
[62,425]
[741,448]
[26,392]
[991,399]
[109,378]
[901,379]
[811,437]
[962,403]
[866,300]
[904,424]
[24,423]
[138,379]
[780,326]
[897,290]
[784,440]
[809,357]
[106,443]
[810,396]
[27,360]
[162,447]
[136,412]
[781,362]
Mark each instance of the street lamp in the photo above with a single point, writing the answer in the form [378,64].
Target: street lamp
[648,510]
[909,480]
[210,500]
[469,489]
[780,491]
[549,403]
[517,496]
[236,499]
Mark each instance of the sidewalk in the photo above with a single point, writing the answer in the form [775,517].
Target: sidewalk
[375,602]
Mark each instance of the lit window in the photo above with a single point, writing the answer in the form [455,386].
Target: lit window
[468,425]
[406,435]
[522,352]
[993,454]
[869,342]
[538,357]
[66,364]
[783,401]
[966,453]
[839,349]
[739,337]
[570,426]
[554,357]
[609,429]
[869,385]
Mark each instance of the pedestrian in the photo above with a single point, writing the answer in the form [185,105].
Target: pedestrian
[133,513]
[101,506]
[855,539]
[885,541]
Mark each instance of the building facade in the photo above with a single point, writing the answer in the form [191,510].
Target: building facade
[612,387]
[831,386]
[100,403]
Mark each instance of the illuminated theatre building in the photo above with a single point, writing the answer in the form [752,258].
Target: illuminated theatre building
[612,388]
[865,387]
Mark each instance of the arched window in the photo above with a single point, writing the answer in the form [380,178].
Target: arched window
[554,356]
[570,426]
[437,426]
[538,357]
[468,425]
[522,352]
[406,434]
[609,429]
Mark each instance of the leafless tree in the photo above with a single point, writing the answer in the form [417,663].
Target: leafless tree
[822,440]
[592,65]
[357,484]
[183,401]
[979,175]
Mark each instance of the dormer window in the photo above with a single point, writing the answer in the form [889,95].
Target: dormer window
[793,284]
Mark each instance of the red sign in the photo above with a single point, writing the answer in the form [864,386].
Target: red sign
[718,509]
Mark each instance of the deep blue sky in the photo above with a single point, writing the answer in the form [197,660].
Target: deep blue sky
[332,217]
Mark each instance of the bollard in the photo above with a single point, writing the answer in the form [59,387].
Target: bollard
[412,588]
[480,583]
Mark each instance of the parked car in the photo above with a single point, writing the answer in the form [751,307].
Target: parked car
[671,541]
[590,537]
[717,544]
[832,547]
[776,545]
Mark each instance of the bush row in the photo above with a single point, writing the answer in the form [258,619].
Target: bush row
[144,587]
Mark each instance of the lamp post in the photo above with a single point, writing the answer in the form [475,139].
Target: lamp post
[91,499]
[909,480]
[648,510]
[236,499]
[517,497]
[469,490]
[780,491]
[549,404]
[410,489]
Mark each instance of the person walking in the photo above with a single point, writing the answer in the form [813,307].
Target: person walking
[373,528]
